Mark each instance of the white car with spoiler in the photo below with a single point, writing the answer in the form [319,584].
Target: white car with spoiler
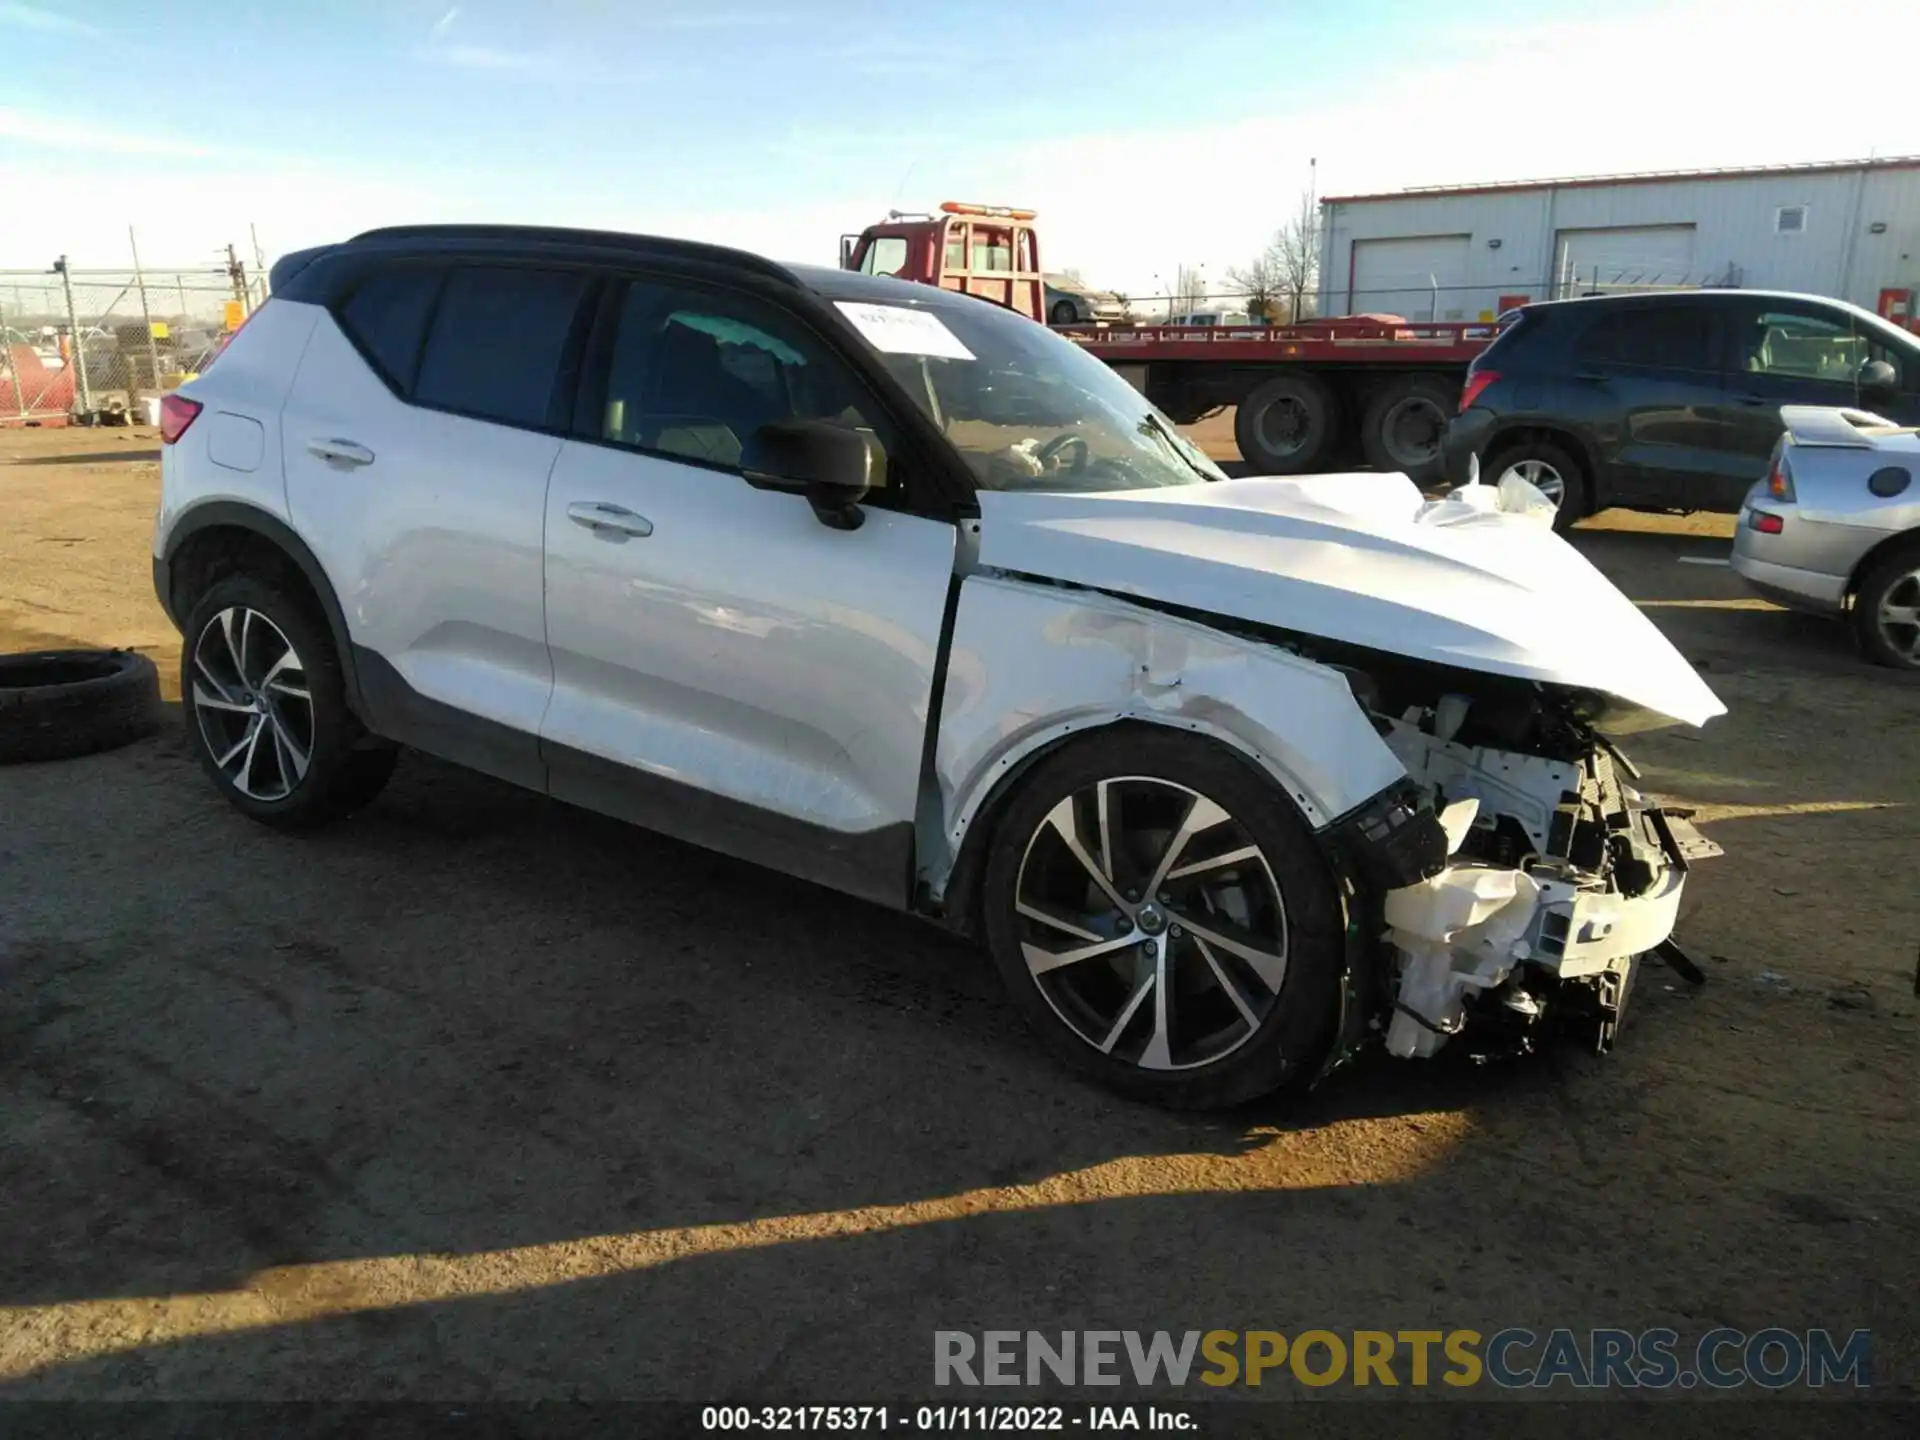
[900,592]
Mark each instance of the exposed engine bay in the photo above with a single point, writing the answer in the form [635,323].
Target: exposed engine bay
[1550,877]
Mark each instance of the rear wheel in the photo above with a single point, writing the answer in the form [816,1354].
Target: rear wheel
[1405,424]
[1165,921]
[1286,426]
[1886,610]
[1550,470]
[266,708]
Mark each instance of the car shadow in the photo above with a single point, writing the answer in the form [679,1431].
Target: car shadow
[91,457]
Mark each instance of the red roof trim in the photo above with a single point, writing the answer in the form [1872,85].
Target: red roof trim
[1644,177]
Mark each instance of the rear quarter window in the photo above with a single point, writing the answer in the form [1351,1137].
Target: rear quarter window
[496,343]
[1679,337]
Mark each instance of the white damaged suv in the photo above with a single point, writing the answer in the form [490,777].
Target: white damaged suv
[899,592]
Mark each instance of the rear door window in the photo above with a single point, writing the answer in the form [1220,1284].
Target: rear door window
[1679,337]
[386,317]
[497,341]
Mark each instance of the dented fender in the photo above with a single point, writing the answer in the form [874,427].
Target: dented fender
[1032,663]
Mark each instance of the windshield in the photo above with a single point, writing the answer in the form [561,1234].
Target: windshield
[1027,409]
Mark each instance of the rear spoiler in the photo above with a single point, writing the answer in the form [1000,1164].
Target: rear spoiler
[291,264]
[1825,425]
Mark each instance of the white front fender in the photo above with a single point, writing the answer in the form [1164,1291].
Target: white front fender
[1031,663]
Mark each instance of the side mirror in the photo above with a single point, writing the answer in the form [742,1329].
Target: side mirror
[830,464]
[1877,377]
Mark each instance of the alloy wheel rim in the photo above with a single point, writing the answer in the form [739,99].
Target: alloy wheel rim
[1899,617]
[1413,430]
[251,701]
[1151,923]
[1542,476]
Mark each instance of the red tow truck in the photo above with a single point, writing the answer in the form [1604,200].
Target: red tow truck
[1311,396]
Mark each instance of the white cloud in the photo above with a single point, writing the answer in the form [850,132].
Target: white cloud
[445,22]
[58,132]
[51,22]
[488,57]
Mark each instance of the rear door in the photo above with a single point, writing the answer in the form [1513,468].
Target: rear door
[727,668]
[418,440]
[1648,378]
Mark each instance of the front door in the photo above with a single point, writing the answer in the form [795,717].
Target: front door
[726,667]
[1793,352]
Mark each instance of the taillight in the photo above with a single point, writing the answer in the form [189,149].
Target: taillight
[177,412]
[1477,382]
[1780,481]
[1766,522]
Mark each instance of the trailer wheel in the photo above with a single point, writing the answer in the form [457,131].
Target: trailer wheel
[1405,424]
[1286,426]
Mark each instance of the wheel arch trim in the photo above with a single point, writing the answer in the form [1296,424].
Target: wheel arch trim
[238,515]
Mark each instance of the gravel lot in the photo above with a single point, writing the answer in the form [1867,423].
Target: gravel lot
[480,1095]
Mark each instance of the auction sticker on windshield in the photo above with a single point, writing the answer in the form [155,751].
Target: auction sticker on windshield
[896,330]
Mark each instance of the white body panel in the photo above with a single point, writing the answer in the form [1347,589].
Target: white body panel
[246,386]
[1031,663]
[1359,559]
[743,647]
[434,547]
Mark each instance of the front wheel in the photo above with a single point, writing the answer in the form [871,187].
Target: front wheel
[1063,313]
[1165,921]
[266,708]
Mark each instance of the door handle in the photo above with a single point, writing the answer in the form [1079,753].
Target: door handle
[340,452]
[1756,401]
[602,516]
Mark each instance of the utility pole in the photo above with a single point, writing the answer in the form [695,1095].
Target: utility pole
[76,342]
[237,273]
[146,312]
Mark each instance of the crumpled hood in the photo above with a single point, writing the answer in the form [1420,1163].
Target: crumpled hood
[1362,559]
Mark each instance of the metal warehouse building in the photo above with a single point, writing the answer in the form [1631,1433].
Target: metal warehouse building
[1466,252]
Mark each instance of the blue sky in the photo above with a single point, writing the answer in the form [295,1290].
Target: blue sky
[1143,133]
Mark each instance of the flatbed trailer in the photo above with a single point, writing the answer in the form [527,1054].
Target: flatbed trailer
[1372,388]
[1314,396]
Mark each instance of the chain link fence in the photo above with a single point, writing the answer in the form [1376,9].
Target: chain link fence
[100,346]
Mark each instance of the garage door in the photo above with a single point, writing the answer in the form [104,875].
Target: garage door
[1623,258]
[1422,277]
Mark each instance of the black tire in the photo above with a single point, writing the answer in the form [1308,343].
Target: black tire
[58,704]
[1576,498]
[1292,1037]
[1063,313]
[1406,422]
[345,767]
[1894,579]
[1286,426]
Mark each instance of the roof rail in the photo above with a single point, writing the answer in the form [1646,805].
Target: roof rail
[591,239]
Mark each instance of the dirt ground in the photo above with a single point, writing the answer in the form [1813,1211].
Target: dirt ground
[477,1095]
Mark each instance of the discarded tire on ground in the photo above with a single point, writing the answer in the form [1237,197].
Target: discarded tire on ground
[55,704]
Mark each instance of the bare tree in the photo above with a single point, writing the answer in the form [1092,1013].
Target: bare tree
[1296,254]
[1282,282]
[1189,290]
[1258,282]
